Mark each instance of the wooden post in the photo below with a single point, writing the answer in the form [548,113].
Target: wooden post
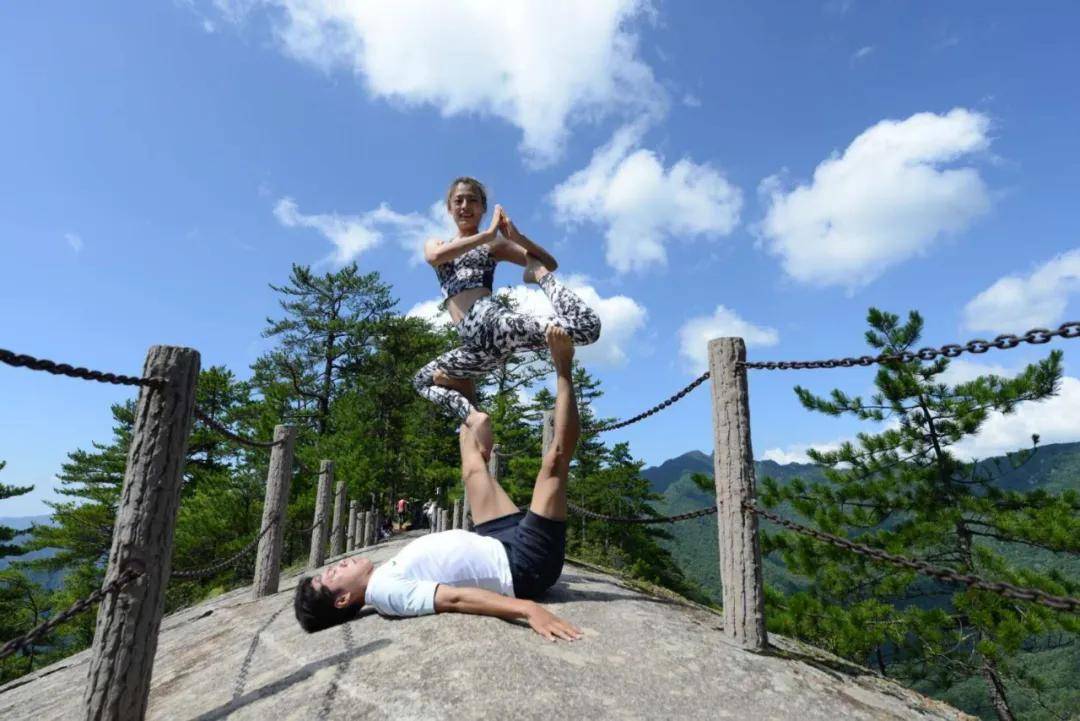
[371,528]
[337,533]
[350,535]
[457,515]
[733,469]
[278,481]
[126,633]
[321,532]
[364,524]
[547,431]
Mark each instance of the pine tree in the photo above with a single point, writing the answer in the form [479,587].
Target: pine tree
[904,490]
[7,535]
[81,530]
[329,329]
[23,603]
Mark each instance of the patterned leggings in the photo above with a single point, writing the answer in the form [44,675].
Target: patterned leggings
[489,334]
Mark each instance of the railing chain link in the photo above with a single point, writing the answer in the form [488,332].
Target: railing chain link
[20,360]
[1035,336]
[640,520]
[1019,593]
[655,409]
[217,566]
[32,636]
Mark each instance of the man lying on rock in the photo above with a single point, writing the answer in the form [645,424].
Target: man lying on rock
[512,558]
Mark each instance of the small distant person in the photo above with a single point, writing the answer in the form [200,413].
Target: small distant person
[402,508]
[512,557]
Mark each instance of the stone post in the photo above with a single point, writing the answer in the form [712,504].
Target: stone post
[365,529]
[350,536]
[321,532]
[457,515]
[126,633]
[278,481]
[547,432]
[337,533]
[733,472]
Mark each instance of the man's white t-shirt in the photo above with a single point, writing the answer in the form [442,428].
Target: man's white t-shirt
[405,585]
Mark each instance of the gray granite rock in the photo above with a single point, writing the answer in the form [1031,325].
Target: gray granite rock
[643,657]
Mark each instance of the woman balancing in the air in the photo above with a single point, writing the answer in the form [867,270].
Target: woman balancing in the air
[465,266]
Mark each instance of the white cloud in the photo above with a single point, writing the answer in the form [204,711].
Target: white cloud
[862,53]
[963,371]
[1055,420]
[643,204]
[691,101]
[74,240]
[431,311]
[534,64]
[352,235]
[796,453]
[887,198]
[1017,303]
[695,334]
[621,317]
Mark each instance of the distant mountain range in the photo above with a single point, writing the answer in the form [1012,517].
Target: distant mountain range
[49,579]
[1054,467]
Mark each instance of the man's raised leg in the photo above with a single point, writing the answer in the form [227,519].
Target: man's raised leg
[549,494]
[487,499]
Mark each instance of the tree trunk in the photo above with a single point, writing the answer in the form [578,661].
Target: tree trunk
[996,690]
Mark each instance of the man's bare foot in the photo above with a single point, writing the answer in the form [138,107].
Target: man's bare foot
[480,425]
[562,348]
[534,271]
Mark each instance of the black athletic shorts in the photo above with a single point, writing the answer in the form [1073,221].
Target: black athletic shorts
[535,546]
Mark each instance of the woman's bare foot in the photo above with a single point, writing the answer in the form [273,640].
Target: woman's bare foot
[534,271]
[464,386]
[562,347]
[480,424]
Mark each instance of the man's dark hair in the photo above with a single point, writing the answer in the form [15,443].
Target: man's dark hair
[315,609]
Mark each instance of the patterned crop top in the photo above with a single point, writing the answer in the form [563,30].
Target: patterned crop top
[472,269]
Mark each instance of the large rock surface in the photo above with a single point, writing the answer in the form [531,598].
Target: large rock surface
[642,657]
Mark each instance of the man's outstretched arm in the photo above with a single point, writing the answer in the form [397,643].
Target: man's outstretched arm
[481,602]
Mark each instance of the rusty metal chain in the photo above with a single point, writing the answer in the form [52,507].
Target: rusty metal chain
[1035,336]
[642,520]
[19,360]
[217,566]
[1020,593]
[655,409]
[32,636]
[309,529]
[202,416]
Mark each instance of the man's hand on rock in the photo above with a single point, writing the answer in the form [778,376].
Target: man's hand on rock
[550,626]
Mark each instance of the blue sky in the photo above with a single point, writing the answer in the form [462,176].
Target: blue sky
[761,169]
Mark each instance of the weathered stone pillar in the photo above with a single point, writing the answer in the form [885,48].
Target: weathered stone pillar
[350,535]
[337,533]
[547,431]
[321,532]
[126,633]
[456,524]
[733,469]
[278,482]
